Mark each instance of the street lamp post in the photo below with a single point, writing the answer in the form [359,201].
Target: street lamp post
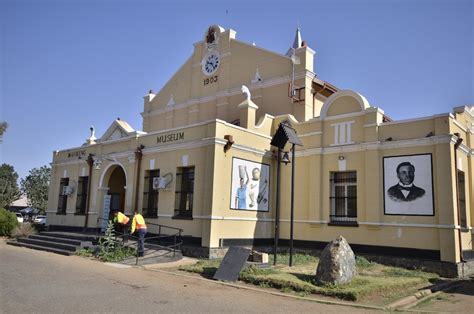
[277,209]
[292,211]
[284,134]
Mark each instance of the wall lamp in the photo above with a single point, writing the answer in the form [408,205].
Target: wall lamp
[341,157]
[230,141]
[97,161]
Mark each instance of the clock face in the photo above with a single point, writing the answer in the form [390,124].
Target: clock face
[210,63]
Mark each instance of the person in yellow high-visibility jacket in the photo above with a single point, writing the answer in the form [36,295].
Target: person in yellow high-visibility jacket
[120,218]
[121,221]
[138,223]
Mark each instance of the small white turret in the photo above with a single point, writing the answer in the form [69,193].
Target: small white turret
[92,139]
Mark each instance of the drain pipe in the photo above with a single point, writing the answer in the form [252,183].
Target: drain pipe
[456,146]
[90,163]
[138,157]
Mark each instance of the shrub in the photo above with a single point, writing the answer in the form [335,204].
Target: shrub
[109,249]
[8,222]
[85,252]
[24,230]
[362,262]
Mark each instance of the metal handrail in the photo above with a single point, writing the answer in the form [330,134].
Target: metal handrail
[153,224]
[125,236]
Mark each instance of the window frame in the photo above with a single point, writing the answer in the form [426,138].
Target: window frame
[81,196]
[461,186]
[348,217]
[62,199]
[150,196]
[184,192]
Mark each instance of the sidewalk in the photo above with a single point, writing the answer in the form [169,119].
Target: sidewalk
[184,261]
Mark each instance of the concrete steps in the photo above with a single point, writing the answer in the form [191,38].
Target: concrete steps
[56,242]
[40,248]
[70,235]
[67,243]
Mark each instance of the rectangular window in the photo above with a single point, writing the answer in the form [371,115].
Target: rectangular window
[62,200]
[462,198]
[150,195]
[184,192]
[81,195]
[343,198]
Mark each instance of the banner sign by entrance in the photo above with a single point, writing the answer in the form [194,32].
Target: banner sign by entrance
[105,213]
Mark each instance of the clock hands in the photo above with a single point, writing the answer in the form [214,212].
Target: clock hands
[210,64]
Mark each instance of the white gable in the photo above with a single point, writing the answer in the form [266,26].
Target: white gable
[117,130]
[116,135]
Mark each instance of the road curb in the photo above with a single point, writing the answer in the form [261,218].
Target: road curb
[340,303]
[420,296]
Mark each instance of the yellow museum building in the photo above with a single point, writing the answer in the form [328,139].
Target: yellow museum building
[204,163]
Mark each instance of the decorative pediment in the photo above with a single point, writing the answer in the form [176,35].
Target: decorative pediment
[344,102]
[117,130]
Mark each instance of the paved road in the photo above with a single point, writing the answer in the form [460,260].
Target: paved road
[457,300]
[41,282]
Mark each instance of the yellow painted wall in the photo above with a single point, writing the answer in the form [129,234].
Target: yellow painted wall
[203,113]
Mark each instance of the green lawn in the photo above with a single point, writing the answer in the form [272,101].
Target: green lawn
[374,282]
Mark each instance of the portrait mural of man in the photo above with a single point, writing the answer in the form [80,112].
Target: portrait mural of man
[408,186]
[405,190]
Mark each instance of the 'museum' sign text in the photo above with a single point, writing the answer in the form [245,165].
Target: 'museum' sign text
[77,153]
[170,137]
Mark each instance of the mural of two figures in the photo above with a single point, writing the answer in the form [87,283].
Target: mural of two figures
[250,185]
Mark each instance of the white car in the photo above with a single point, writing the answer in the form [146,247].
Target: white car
[40,220]
[19,218]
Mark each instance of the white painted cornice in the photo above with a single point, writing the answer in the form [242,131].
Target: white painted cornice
[442,115]
[200,143]
[303,221]
[462,148]
[374,146]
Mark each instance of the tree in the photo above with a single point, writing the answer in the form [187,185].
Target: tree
[9,191]
[36,186]
[3,128]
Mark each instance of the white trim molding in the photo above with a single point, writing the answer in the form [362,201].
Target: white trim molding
[425,141]
[363,103]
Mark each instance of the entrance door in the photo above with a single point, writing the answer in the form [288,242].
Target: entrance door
[116,185]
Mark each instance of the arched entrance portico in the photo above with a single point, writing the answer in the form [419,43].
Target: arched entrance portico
[116,184]
[113,184]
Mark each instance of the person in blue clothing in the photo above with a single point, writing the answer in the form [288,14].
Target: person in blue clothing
[241,197]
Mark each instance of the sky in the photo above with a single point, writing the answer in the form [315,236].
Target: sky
[66,65]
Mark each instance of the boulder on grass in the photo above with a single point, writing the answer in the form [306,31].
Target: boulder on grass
[337,263]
